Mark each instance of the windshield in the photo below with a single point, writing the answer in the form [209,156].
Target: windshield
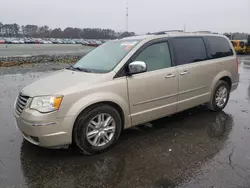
[105,58]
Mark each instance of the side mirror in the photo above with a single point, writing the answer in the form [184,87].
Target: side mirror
[137,67]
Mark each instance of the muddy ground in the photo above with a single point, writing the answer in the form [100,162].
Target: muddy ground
[195,148]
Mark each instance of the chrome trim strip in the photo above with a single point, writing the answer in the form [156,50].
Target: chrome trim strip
[156,99]
[55,134]
[197,96]
[40,124]
[187,91]
[152,109]
[167,96]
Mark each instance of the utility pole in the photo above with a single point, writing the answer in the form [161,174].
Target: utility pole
[127,15]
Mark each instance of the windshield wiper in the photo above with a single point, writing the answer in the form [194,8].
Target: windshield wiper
[78,68]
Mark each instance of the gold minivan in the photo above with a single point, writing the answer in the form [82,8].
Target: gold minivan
[123,83]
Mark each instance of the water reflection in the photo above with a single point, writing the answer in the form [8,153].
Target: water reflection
[246,64]
[248,92]
[160,154]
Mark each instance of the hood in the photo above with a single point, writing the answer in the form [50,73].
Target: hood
[61,80]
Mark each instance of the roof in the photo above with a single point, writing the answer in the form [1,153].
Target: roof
[171,34]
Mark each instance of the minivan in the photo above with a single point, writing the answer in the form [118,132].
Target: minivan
[124,83]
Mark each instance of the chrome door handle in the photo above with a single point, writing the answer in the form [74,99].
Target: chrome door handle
[184,73]
[170,76]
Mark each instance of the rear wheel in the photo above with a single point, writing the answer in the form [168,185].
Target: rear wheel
[97,129]
[220,96]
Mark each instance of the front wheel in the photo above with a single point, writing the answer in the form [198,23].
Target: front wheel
[220,96]
[97,129]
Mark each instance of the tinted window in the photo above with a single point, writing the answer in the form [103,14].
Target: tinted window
[219,47]
[189,50]
[156,57]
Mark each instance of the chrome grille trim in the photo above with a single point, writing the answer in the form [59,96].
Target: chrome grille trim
[21,103]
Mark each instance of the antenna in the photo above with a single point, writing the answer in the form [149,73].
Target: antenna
[127,15]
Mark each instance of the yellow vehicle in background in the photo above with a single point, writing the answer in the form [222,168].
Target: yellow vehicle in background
[248,45]
[240,46]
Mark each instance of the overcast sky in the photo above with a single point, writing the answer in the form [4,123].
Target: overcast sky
[144,15]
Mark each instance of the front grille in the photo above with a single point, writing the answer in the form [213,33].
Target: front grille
[21,103]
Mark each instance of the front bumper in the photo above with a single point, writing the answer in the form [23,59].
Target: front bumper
[45,130]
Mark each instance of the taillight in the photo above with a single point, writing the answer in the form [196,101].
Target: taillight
[237,64]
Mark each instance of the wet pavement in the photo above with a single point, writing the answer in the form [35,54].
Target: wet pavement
[10,50]
[195,148]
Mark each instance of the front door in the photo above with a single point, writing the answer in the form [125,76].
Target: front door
[153,94]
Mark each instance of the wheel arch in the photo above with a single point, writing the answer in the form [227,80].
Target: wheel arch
[87,102]
[91,106]
[110,103]
[228,80]
[225,76]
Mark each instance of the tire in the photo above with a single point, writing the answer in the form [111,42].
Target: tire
[83,127]
[213,105]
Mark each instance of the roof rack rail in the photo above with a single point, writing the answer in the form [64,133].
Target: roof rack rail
[202,32]
[165,32]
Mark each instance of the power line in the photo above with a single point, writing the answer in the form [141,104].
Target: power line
[127,15]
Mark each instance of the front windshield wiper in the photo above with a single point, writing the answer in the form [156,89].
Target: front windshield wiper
[78,68]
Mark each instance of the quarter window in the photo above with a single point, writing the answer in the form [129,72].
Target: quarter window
[219,47]
[156,56]
[189,50]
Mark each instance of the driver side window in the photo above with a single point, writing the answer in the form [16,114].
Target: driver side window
[156,56]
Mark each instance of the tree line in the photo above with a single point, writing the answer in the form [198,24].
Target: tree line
[34,31]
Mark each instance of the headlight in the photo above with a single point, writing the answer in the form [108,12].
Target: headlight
[46,104]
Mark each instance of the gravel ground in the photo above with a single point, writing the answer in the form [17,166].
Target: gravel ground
[36,67]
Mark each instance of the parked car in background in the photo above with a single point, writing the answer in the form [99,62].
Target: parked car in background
[98,42]
[21,41]
[15,41]
[93,43]
[78,41]
[2,41]
[29,40]
[7,41]
[85,43]
[45,42]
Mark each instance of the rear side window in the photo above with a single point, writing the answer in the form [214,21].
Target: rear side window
[219,47]
[189,50]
